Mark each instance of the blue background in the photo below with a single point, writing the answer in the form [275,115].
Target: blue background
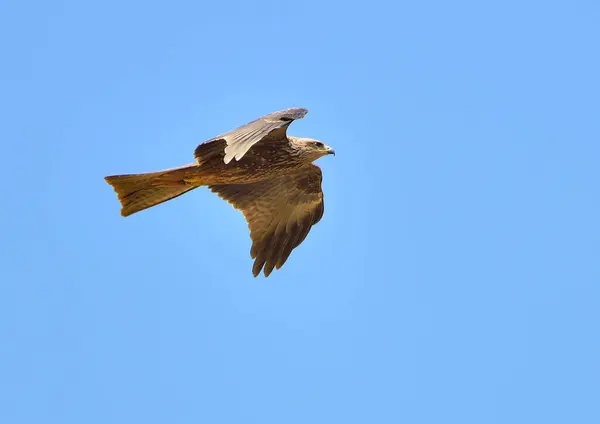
[454,277]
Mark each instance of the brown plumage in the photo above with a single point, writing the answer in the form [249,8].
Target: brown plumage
[260,170]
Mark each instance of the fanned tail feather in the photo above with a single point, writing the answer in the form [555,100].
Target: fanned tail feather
[137,192]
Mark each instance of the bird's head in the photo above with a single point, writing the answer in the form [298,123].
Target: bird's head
[310,148]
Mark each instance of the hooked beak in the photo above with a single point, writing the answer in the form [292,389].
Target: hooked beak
[330,151]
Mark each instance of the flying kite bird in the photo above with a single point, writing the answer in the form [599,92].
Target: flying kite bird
[257,168]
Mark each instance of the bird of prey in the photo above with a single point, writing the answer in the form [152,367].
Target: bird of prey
[257,168]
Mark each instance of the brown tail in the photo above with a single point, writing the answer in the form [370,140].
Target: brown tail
[137,192]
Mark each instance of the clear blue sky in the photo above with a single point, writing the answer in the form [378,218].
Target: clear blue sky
[455,275]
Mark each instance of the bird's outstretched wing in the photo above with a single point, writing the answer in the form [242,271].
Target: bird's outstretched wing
[240,140]
[280,212]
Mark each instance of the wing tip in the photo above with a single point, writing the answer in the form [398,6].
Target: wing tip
[290,114]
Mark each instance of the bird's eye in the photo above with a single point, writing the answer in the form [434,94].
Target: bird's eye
[318,144]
